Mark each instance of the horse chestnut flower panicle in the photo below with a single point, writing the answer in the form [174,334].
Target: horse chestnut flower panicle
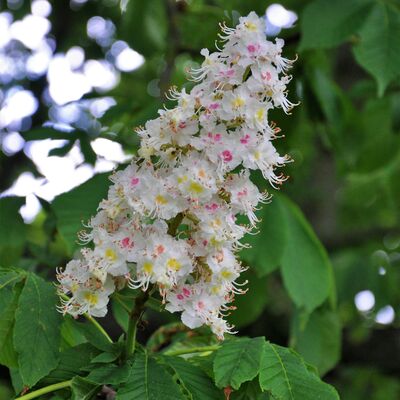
[170,217]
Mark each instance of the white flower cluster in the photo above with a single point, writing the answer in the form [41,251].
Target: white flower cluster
[170,217]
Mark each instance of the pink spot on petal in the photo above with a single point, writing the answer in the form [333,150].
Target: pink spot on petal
[160,249]
[266,76]
[245,139]
[186,292]
[126,242]
[251,48]
[227,155]
[214,106]
[134,181]
[211,207]
[180,297]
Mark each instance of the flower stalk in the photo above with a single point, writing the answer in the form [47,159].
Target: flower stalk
[135,317]
[192,350]
[45,390]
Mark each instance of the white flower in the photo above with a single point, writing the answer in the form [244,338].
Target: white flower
[245,195]
[170,218]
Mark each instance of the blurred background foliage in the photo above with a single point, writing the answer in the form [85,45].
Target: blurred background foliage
[77,76]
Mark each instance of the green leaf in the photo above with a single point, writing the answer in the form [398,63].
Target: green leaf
[379,48]
[306,269]
[237,361]
[267,247]
[42,133]
[70,333]
[84,389]
[94,336]
[148,19]
[12,230]
[194,380]
[37,330]
[72,360]
[63,150]
[77,206]
[9,277]
[87,150]
[193,20]
[9,296]
[111,374]
[149,381]
[250,391]
[327,23]
[319,340]
[107,357]
[119,312]
[204,362]
[286,377]
[16,380]
[250,305]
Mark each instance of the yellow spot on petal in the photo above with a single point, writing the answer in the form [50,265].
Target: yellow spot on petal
[226,274]
[250,26]
[110,255]
[195,187]
[215,289]
[260,114]
[182,179]
[148,267]
[202,173]
[174,264]
[238,102]
[216,222]
[214,242]
[91,298]
[74,287]
[161,200]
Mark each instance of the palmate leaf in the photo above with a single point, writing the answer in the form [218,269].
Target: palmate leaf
[289,241]
[111,374]
[327,23]
[78,206]
[250,391]
[306,269]
[379,48]
[12,230]
[149,381]
[72,360]
[318,340]
[272,239]
[237,361]
[286,377]
[83,389]
[250,306]
[8,305]
[37,330]
[195,381]
[9,295]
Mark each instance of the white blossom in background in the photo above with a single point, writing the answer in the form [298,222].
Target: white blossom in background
[170,219]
